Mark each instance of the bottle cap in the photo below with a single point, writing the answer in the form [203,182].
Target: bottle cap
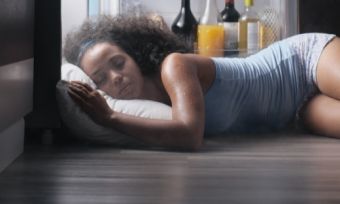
[248,3]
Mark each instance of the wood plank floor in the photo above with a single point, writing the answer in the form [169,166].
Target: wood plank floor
[280,168]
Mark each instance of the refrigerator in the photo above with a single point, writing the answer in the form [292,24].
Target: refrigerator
[287,10]
[295,16]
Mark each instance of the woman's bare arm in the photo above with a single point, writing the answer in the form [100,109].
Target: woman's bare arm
[181,80]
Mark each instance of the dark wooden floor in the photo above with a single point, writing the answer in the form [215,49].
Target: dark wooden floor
[295,168]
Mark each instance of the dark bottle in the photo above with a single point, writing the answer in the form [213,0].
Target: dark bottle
[185,24]
[229,13]
[230,18]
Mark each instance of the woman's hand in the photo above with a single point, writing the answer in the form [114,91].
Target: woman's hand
[90,101]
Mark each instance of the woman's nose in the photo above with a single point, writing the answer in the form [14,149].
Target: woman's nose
[117,78]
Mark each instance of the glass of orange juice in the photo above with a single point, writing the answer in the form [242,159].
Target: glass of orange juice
[211,40]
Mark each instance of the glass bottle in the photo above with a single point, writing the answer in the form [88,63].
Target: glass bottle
[270,28]
[211,32]
[185,24]
[230,18]
[249,26]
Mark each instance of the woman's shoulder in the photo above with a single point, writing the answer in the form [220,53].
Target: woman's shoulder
[192,65]
[187,59]
[182,62]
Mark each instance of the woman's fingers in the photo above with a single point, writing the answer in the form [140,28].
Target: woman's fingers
[84,103]
[78,91]
[82,90]
[76,97]
[88,87]
[91,102]
[83,94]
[83,85]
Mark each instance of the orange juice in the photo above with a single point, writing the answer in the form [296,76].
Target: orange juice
[211,40]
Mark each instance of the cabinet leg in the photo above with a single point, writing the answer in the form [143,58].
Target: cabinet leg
[47,137]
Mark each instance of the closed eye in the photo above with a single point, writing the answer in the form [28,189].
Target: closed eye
[117,62]
[100,79]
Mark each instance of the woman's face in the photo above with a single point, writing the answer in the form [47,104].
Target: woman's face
[113,71]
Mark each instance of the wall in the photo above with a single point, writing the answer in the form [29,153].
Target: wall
[73,12]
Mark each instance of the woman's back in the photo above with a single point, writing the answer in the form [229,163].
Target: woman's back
[264,90]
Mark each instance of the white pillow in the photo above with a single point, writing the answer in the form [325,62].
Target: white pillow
[82,126]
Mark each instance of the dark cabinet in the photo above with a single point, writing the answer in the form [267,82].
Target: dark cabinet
[319,16]
[47,61]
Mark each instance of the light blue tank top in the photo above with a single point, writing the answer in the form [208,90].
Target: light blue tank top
[260,92]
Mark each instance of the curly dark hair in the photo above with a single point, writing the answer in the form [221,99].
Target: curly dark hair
[147,41]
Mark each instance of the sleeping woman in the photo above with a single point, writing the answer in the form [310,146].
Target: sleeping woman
[293,80]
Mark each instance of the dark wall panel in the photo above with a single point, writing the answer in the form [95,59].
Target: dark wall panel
[16,30]
[319,16]
[47,60]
